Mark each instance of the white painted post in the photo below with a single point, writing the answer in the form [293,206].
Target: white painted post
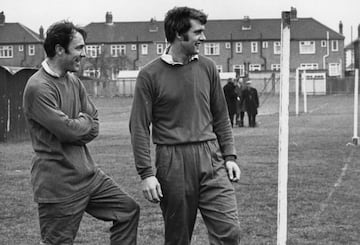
[305,91]
[283,129]
[297,92]
[355,138]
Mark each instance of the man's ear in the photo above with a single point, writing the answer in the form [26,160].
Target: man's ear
[180,37]
[59,49]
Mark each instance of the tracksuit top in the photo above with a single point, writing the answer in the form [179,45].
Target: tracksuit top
[61,119]
[183,104]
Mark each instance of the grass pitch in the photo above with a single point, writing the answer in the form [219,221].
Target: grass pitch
[323,184]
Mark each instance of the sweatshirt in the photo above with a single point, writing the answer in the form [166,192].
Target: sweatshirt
[61,120]
[183,104]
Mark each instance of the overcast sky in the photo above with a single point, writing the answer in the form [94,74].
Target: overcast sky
[36,13]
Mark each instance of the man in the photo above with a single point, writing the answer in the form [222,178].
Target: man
[61,120]
[180,96]
[240,108]
[231,99]
[250,100]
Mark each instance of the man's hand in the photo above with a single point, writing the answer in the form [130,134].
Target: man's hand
[152,189]
[233,171]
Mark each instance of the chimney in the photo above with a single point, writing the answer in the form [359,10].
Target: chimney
[2,18]
[41,32]
[340,27]
[293,13]
[359,31]
[109,18]
[246,25]
[153,25]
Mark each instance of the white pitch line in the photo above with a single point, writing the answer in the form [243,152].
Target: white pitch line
[318,108]
[325,203]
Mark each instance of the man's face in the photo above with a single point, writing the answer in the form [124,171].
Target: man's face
[76,51]
[193,38]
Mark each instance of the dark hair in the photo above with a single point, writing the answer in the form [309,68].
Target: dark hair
[177,21]
[60,33]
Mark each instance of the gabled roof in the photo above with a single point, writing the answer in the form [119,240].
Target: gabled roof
[16,33]
[216,30]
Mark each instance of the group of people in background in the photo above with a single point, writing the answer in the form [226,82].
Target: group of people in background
[241,97]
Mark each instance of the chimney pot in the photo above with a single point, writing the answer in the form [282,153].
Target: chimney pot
[2,18]
[109,18]
[340,27]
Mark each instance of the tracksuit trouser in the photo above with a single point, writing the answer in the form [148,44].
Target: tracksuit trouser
[59,222]
[193,176]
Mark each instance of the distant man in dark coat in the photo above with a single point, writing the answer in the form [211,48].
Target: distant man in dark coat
[249,98]
[240,108]
[231,98]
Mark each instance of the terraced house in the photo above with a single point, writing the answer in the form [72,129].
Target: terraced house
[20,46]
[238,45]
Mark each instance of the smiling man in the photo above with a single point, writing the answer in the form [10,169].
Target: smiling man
[180,96]
[61,120]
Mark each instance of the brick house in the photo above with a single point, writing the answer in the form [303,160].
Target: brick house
[20,46]
[237,45]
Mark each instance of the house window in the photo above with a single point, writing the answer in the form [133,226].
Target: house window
[21,48]
[275,67]
[334,69]
[212,49]
[227,45]
[91,72]
[133,46]
[144,49]
[254,47]
[265,44]
[93,50]
[307,47]
[31,50]
[117,50]
[238,47]
[277,47]
[309,66]
[323,43]
[6,51]
[219,68]
[159,48]
[239,70]
[254,67]
[334,45]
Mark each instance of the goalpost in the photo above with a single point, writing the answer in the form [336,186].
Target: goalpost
[283,129]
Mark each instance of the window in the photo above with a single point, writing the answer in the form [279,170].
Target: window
[334,69]
[323,43]
[21,48]
[91,72]
[275,67]
[6,51]
[133,46]
[239,70]
[254,67]
[144,49]
[334,45]
[265,44]
[309,66]
[31,50]
[277,47]
[254,47]
[238,47]
[227,45]
[117,50]
[93,50]
[219,68]
[159,48]
[307,47]
[212,49]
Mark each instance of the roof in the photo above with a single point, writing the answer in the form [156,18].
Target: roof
[11,33]
[267,29]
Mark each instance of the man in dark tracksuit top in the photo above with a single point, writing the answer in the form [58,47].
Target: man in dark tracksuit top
[61,120]
[180,95]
